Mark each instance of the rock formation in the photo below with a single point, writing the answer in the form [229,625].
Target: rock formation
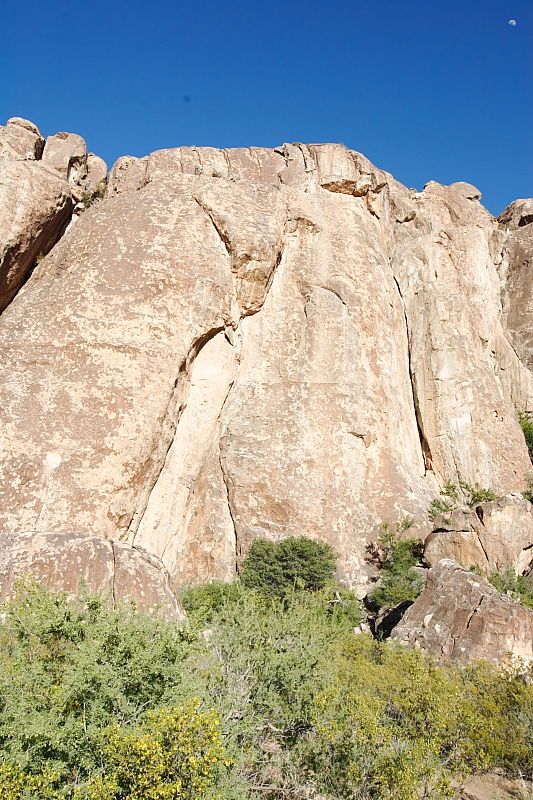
[77,562]
[250,342]
[492,537]
[461,617]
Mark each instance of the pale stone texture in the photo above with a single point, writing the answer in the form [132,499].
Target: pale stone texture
[493,537]
[496,787]
[461,617]
[67,154]
[20,140]
[72,563]
[517,270]
[35,205]
[254,342]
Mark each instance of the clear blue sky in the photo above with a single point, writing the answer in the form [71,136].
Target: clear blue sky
[427,90]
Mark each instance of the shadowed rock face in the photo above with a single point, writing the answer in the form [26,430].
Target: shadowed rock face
[244,343]
[461,617]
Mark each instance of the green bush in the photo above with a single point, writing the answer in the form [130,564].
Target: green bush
[274,568]
[399,581]
[454,496]
[521,586]
[68,670]
[526,423]
[273,698]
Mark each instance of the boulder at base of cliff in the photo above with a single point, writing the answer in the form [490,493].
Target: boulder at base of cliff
[461,617]
[494,787]
[69,562]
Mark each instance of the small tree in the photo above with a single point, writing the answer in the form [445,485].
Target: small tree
[274,568]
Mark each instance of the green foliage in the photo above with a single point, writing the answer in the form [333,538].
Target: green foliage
[90,196]
[474,493]
[520,586]
[454,496]
[274,568]
[68,670]
[526,423]
[173,754]
[392,722]
[399,581]
[252,697]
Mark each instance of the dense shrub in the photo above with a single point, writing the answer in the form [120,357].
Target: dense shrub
[399,581]
[453,496]
[68,670]
[252,697]
[273,568]
[521,586]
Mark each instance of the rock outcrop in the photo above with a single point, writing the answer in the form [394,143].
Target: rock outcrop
[253,342]
[71,562]
[492,537]
[496,787]
[461,617]
[40,183]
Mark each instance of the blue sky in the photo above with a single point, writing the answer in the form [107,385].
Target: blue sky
[427,90]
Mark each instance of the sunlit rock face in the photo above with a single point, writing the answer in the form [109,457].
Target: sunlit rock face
[257,343]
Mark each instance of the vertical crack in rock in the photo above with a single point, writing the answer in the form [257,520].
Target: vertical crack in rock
[114,574]
[424,444]
[178,466]
[227,480]
[216,225]
[175,407]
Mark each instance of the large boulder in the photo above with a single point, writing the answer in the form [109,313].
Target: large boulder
[496,787]
[20,140]
[35,205]
[72,562]
[460,617]
[493,536]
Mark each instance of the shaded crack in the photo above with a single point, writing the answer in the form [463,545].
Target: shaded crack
[227,480]
[424,444]
[113,578]
[182,380]
[333,292]
[479,514]
[222,235]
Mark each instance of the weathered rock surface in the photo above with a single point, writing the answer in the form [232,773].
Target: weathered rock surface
[461,617]
[254,342]
[492,537]
[35,205]
[70,562]
[39,186]
[517,270]
[496,787]
[20,140]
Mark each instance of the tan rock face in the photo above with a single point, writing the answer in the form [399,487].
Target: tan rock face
[461,617]
[35,205]
[495,787]
[517,267]
[67,154]
[20,140]
[493,537]
[249,343]
[72,562]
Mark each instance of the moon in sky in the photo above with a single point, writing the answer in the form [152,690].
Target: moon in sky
[512,22]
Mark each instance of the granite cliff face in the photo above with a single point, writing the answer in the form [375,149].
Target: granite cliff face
[250,342]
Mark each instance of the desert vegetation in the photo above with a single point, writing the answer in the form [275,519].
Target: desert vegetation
[265,691]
